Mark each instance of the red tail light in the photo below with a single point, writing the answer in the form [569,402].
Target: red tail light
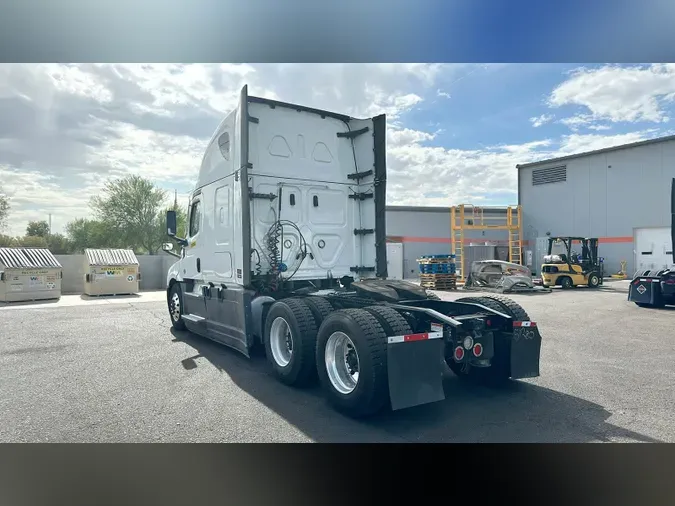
[670,282]
[459,353]
[477,350]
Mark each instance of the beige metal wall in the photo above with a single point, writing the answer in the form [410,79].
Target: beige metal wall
[30,284]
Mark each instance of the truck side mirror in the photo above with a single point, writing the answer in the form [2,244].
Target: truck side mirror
[167,246]
[171,223]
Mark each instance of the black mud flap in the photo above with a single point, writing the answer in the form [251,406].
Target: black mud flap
[415,367]
[525,350]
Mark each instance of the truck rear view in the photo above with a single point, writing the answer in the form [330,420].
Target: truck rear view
[285,248]
[656,288]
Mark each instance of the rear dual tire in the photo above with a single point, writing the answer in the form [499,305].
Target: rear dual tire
[346,349]
[290,339]
[351,358]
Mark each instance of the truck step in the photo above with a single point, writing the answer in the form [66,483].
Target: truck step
[194,318]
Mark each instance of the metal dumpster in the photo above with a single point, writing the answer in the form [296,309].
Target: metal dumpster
[28,274]
[111,272]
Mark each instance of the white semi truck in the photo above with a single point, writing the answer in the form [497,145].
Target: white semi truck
[285,248]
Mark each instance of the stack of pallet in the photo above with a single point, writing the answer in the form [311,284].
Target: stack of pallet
[438,272]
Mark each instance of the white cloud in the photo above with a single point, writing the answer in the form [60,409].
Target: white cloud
[574,122]
[404,136]
[619,94]
[599,127]
[65,128]
[541,120]
[442,94]
[576,143]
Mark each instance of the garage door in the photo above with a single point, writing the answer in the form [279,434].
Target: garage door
[653,248]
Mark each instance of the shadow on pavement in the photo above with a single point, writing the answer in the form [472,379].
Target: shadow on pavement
[42,302]
[518,412]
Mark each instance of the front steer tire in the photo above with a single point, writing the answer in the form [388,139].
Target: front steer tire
[175,302]
[369,339]
[301,368]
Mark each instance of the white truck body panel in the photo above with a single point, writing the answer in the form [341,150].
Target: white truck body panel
[295,152]
[301,154]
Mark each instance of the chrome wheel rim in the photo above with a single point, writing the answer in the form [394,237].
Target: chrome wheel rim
[342,362]
[174,308]
[281,341]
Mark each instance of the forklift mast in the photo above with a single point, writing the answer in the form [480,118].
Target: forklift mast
[589,247]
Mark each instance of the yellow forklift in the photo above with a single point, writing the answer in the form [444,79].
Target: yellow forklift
[569,269]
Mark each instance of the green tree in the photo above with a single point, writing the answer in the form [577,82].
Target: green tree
[83,233]
[160,225]
[31,241]
[129,208]
[6,241]
[4,209]
[59,244]
[37,229]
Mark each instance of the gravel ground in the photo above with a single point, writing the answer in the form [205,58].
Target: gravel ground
[117,373]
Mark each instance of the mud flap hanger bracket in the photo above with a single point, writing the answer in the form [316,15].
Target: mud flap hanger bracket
[447,319]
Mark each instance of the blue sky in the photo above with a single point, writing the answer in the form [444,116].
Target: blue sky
[455,131]
[493,106]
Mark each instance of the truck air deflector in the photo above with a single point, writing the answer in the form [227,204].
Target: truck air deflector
[353,133]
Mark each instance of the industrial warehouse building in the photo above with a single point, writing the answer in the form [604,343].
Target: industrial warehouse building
[415,231]
[620,195]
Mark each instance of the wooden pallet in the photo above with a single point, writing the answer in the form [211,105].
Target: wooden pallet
[439,276]
[439,288]
[441,282]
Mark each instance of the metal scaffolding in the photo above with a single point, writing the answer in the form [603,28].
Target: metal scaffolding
[466,217]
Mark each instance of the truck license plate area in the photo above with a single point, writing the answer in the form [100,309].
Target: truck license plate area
[525,350]
[415,369]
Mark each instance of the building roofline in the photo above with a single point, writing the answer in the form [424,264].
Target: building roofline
[596,152]
[423,209]
[437,209]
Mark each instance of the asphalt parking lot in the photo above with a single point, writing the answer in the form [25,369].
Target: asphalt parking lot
[115,372]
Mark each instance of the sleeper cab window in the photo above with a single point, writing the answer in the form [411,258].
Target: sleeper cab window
[195,217]
[224,145]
